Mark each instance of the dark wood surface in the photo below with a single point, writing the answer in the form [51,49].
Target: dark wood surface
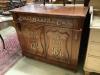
[85,2]
[51,34]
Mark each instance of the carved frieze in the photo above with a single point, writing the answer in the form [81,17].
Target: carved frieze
[45,20]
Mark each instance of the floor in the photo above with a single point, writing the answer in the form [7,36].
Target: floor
[26,66]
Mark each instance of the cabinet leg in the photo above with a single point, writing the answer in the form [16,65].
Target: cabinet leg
[87,73]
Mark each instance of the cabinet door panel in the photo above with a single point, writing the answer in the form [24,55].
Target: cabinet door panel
[33,39]
[58,43]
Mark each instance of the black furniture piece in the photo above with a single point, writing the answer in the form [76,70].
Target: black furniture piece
[85,2]
[16,3]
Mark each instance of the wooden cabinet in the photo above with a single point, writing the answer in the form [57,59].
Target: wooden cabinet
[51,35]
[93,53]
[92,62]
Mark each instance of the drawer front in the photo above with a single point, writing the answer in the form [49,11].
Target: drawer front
[94,49]
[95,35]
[93,63]
[48,21]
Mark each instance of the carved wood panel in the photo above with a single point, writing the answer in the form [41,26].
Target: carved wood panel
[33,39]
[58,43]
[50,35]
[48,20]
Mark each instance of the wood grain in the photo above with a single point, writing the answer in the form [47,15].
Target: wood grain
[51,35]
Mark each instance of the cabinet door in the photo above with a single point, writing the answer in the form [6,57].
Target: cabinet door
[33,39]
[58,44]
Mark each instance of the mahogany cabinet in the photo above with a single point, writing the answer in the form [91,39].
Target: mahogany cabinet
[51,34]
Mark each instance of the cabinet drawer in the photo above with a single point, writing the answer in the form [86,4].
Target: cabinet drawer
[95,35]
[94,49]
[93,63]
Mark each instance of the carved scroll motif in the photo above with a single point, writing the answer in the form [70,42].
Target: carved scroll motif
[37,42]
[56,50]
[34,39]
[34,45]
[57,44]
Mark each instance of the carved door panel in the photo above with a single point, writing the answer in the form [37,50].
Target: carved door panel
[33,39]
[58,44]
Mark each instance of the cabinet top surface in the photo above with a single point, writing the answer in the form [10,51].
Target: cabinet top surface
[49,9]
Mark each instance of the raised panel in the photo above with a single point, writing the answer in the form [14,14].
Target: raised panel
[33,39]
[58,43]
